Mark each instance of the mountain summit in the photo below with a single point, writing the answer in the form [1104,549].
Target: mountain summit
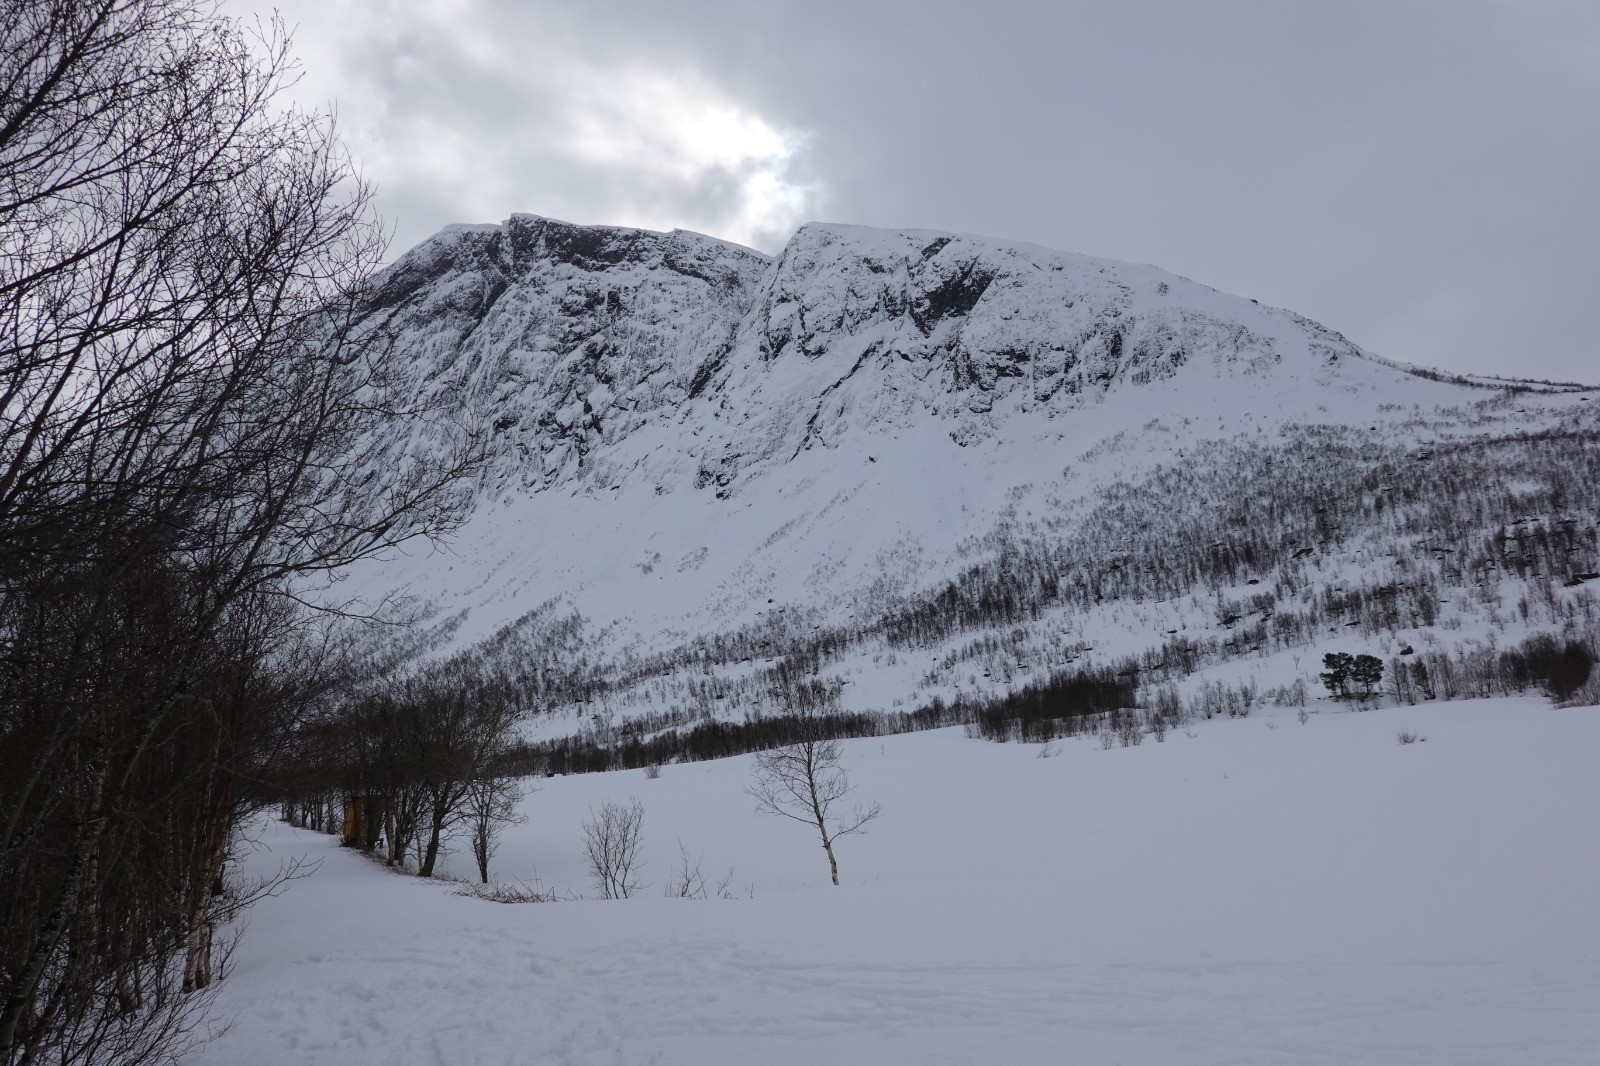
[573,340]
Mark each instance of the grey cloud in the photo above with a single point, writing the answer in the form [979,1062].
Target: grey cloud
[1418,176]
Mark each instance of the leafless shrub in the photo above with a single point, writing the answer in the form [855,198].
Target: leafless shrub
[688,882]
[1166,705]
[500,892]
[653,771]
[1289,695]
[611,843]
[1218,698]
[1406,736]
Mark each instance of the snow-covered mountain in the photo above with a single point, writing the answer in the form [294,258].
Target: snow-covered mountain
[608,356]
[696,446]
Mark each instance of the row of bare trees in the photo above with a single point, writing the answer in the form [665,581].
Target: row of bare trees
[180,402]
[408,761]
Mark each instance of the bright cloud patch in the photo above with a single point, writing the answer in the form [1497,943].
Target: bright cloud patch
[470,110]
[659,126]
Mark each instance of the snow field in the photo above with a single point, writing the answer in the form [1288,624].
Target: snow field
[1258,892]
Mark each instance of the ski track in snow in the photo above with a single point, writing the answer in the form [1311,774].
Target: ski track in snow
[1215,904]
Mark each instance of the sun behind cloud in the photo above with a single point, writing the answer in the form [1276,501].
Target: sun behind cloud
[667,125]
[472,110]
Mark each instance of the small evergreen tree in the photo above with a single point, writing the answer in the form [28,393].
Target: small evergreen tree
[1366,671]
[1336,673]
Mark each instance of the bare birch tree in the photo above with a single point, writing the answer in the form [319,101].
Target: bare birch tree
[804,781]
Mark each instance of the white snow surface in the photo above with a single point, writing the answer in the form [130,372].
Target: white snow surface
[1250,891]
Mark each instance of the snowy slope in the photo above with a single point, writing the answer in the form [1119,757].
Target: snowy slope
[692,440]
[1258,892]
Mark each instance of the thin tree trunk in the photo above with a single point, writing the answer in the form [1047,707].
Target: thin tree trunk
[817,812]
[208,882]
[480,844]
[197,951]
[55,926]
[433,846]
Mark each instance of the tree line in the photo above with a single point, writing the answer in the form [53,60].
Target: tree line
[405,761]
[1122,702]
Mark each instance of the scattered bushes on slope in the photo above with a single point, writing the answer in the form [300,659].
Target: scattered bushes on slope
[1561,668]
[1120,703]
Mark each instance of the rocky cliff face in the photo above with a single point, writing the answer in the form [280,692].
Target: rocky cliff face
[563,338]
[601,354]
[902,325]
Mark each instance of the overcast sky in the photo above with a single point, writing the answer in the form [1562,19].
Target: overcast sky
[1423,177]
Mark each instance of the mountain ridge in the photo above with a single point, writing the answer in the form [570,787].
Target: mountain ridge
[609,329]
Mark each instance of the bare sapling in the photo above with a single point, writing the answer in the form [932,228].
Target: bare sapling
[491,803]
[688,881]
[804,782]
[611,842]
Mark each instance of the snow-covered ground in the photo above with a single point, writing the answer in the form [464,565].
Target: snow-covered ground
[1250,891]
